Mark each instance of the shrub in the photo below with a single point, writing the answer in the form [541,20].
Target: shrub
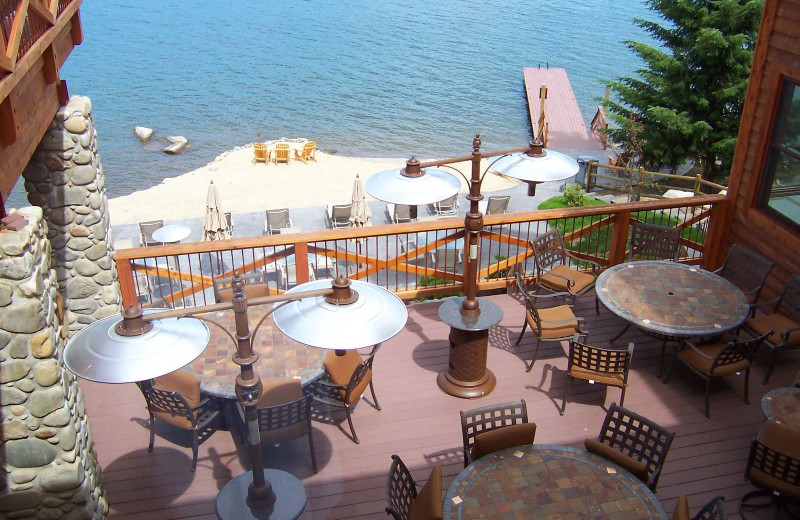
[575,196]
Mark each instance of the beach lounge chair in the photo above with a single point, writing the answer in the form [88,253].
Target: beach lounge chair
[309,152]
[277,221]
[339,215]
[229,221]
[146,230]
[281,153]
[446,259]
[447,207]
[496,205]
[399,213]
[260,153]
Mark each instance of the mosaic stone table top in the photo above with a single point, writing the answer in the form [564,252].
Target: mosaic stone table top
[671,298]
[548,481]
[782,405]
[279,356]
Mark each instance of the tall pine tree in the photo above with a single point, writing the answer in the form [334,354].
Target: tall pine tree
[687,101]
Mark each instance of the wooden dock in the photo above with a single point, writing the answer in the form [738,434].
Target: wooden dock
[567,129]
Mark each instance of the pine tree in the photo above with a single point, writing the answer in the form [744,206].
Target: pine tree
[687,101]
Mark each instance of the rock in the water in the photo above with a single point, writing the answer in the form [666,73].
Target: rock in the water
[177,144]
[143,134]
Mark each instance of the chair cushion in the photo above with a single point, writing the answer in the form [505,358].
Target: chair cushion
[703,364]
[277,392]
[556,283]
[778,323]
[599,377]
[341,368]
[428,504]
[681,511]
[256,290]
[557,322]
[637,468]
[186,384]
[784,440]
[502,438]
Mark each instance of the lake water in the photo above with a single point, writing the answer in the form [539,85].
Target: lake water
[383,79]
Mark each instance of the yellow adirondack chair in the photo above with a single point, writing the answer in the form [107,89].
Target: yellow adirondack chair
[260,153]
[281,153]
[309,151]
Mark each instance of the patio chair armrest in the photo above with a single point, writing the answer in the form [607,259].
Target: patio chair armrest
[329,384]
[687,343]
[204,402]
[550,295]
[772,304]
[786,333]
[570,280]
[595,265]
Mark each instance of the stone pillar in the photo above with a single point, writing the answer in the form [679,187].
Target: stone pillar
[65,178]
[49,467]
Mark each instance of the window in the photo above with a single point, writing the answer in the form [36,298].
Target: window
[779,194]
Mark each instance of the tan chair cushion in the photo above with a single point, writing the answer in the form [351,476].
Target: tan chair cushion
[256,290]
[341,369]
[787,441]
[681,511]
[617,380]
[637,468]
[778,323]
[556,283]
[428,504]
[703,364]
[186,384]
[277,392]
[557,322]
[502,438]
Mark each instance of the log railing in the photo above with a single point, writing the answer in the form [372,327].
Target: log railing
[409,259]
[640,182]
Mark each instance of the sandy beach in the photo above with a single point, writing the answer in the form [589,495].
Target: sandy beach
[245,187]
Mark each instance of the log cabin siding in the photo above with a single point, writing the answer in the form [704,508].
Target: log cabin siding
[777,56]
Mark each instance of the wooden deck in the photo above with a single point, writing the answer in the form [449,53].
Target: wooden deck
[421,424]
[568,130]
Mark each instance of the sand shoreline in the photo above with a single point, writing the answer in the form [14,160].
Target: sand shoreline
[245,187]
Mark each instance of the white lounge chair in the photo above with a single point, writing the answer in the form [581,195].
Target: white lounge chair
[447,207]
[277,221]
[339,215]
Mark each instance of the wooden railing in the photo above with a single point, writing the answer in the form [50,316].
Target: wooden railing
[409,259]
[22,24]
[639,182]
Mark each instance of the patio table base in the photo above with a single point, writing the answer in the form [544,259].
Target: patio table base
[467,376]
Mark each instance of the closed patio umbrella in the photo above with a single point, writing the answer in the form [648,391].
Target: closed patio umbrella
[215,227]
[360,212]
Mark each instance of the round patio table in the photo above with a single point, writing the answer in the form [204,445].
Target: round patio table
[782,405]
[548,481]
[279,356]
[171,234]
[671,300]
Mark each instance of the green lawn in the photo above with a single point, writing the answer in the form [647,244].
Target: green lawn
[596,241]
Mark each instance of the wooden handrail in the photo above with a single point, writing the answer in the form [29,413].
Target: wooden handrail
[377,254]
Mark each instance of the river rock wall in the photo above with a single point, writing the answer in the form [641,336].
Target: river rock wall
[50,470]
[65,178]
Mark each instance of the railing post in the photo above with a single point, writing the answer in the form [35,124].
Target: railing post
[697,179]
[126,288]
[712,245]
[589,172]
[619,238]
[301,266]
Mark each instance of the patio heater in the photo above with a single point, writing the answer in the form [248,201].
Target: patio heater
[469,317]
[334,314]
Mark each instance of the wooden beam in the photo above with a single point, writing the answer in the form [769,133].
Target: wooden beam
[76,29]
[43,11]
[50,66]
[9,123]
[16,30]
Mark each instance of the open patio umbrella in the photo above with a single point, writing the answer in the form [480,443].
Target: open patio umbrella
[215,227]
[359,213]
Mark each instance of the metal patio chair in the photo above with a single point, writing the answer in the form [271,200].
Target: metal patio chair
[654,242]
[495,427]
[634,442]
[746,270]
[403,501]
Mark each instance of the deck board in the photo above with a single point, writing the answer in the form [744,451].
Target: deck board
[421,424]
[568,130]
